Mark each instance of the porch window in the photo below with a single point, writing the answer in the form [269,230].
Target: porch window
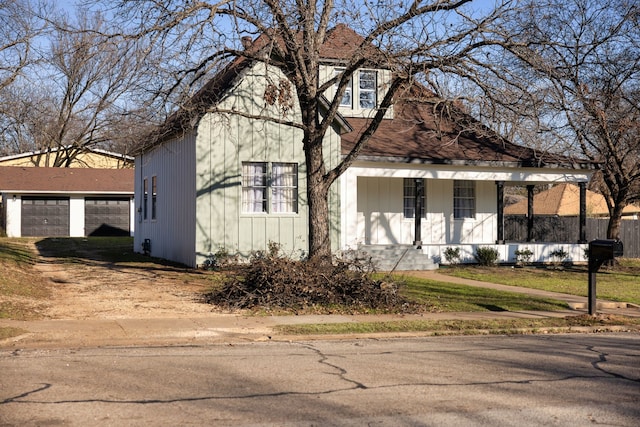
[264,193]
[410,199]
[368,89]
[284,187]
[464,199]
[154,197]
[254,187]
[346,100]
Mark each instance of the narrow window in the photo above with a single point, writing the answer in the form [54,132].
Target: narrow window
[145,198]
[464,199]
[254,187]
[154,197]
[410,198]
[284,188]
[346,100]
[367,87]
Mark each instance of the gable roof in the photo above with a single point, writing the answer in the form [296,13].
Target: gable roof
[65,180]
[564,200]
[417,133]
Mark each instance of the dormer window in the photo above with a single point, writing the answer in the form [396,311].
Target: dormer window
[347,98]
[368,88]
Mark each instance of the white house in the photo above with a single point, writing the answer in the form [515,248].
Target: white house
[217,178]
[66,202]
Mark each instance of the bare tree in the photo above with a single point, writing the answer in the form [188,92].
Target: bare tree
[18,29]
[79,95]
[583,57]
[435,42]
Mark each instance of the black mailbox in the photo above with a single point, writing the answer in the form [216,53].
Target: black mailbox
[600,250]
[605,249]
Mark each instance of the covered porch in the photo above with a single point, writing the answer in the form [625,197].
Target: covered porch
[374,211]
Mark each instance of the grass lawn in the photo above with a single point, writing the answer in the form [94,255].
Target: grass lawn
[618,283]
[449,297]
[23,291]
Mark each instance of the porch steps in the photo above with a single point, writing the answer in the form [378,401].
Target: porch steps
[397,257]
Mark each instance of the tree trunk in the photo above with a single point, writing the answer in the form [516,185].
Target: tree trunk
[613,228]
[318,200]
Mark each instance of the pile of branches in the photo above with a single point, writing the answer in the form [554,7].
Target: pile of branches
[275,283]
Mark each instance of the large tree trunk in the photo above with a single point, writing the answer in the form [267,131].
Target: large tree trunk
[318,200]
[613,228]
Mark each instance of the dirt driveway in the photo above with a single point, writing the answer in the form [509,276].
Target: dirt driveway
[91,288]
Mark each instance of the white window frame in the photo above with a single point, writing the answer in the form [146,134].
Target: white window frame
[464,199]
[254,187]
[372,92]
[409,198]
[284,188]
[347,98]
[269,188]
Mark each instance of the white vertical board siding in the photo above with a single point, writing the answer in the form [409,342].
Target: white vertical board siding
[13,212]
[482,228]
[76,216]
[380,218]
[225,141]
[172,233]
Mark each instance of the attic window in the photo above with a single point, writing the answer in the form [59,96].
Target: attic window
[367,86]
[347,98]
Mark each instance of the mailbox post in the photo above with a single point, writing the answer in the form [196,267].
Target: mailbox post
[600,251]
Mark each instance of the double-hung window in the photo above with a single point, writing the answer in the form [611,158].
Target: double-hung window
[410,198]
[347,98]
[154,197]
[464,199]
[145,198]
[269,187]
[367,88]
[254,187]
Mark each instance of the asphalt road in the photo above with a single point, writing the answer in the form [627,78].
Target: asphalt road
[563,380]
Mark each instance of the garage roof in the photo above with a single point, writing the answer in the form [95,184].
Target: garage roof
[65,180]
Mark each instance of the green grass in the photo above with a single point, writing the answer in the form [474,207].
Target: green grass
[618,283]
[450,297]
[460,327]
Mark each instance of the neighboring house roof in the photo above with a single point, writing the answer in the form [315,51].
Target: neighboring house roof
[564,200]
[65,180]
[22,159]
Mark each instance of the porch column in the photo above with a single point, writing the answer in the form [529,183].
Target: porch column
[583,212]
[500,188]
[530,213]
[418,212]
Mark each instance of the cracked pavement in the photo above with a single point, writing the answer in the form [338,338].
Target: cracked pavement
[564,380]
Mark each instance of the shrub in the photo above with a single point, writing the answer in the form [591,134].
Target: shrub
[486,256]
[558,255]
[523,256]
[452,255]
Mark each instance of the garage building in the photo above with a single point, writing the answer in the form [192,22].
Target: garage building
[66,202]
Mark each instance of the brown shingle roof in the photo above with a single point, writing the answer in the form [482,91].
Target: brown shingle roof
[422,132]
[564,200]
[66,180]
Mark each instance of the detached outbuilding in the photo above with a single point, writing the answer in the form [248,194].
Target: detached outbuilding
[66,202]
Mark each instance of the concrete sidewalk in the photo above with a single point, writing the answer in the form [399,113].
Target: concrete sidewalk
[230,328]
